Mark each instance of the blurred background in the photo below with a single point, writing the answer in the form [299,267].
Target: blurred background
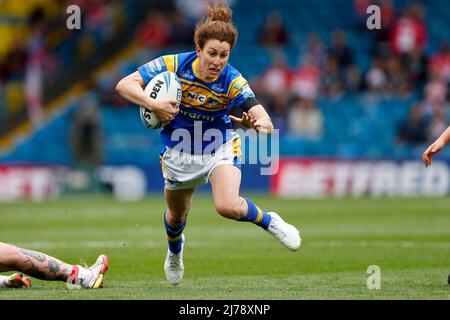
[355,107]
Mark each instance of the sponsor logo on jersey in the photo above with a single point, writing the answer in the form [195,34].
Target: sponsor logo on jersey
[155,65]
[186,75]
[196,116]
[213,102]
[196,97]
[217,87]
[247,92]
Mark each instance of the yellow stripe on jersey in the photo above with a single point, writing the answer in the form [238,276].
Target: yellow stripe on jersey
[170,61]
[235,86]
[198,84]
[200,98]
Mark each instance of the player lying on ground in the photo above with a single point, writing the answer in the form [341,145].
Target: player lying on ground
[435,147]
[211,88]
[41,266]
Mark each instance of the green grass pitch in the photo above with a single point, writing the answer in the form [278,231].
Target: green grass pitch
[409,239]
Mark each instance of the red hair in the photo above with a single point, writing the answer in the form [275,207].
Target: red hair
[216,25]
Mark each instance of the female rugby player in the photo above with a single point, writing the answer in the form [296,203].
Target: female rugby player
[211,88]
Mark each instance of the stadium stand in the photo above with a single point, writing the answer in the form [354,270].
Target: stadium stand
[363,101]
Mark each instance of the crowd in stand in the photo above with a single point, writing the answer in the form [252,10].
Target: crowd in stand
[46,48]
[400,64]
[400,67]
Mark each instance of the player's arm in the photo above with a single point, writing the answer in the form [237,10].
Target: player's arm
[257,118]
[436,146]
[254,116]
[131,88]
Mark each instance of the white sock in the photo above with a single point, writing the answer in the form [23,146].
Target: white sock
[84,276]
[3,281]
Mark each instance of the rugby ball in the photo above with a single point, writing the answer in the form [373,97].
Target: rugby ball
[164,86]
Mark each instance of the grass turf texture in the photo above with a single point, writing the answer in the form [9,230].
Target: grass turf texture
[409,239]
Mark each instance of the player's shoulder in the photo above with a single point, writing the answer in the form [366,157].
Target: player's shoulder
[184,59]
[178,61]
[234,80]
[231,72]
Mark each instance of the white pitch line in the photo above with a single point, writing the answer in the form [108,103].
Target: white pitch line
[379,244]
[39,245]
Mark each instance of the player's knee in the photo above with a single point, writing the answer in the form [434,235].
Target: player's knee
[177,217]
[229,209]
[177,221]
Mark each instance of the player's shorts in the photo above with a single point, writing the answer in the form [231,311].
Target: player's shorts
[185,171]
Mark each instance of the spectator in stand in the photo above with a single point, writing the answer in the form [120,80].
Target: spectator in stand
[376,77]
[305,81]
[155,31]
[274,33]
[381,36]
[36,52]
[275,79]
[315,51]
[305,119]
[340,49]
[415,63]
[435,93]
[86,134]
[396,75]
[279,107]
[409,31]
[352,79]
[437,125]
[331,74]
[388,15]
[412,129]
[440,62]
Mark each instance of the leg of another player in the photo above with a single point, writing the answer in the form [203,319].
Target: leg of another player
[45,267]
[225,182]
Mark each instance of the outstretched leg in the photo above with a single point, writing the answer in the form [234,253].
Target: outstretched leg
[225,181]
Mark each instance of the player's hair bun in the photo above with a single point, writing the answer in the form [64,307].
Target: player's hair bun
[216,24]
[220,12]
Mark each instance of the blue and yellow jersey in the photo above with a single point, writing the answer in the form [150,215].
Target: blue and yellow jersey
[203,102]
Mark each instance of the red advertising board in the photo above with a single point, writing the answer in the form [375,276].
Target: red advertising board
[316,178]
[28,182]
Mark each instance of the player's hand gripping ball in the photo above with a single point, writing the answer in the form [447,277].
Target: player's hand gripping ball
[165,86]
